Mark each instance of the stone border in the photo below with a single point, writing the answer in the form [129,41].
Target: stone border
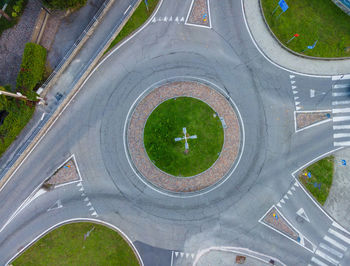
[148,103]
[307,119]
[195,14]
[290,50]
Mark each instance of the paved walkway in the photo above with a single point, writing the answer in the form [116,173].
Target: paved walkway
[273,50]
[338,201]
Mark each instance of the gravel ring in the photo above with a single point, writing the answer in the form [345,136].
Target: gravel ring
[138,154]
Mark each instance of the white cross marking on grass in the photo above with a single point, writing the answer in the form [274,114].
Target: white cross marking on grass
[186,138]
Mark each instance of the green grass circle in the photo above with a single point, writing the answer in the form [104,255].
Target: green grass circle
[166,123]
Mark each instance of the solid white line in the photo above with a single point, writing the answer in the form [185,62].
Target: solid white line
[341,110]
[341,135]
[340,102]
[340,86]
[341,143]
[317,261]
[331,250]
[335,243]
[79,220]
[42,117]
[336,225]
[341,118]
[338,94]
[340,77]
[341,127]
[339,235]
[126,11]
[326,257]
[172,258]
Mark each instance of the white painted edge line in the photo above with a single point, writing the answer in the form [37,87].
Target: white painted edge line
[302,186]
[336,225]
[341,77]
[172,258]
[268,59]
[42,116]
[315,124]
[107,224]
[78,90]
[213,186]
[302,237]
[198,25]
[126,11]
[238,250]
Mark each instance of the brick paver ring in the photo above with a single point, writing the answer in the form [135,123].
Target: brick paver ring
[138,155]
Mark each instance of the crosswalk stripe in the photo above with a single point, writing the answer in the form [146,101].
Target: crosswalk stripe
[338,94]
[326,257]
[340,102]
[341,127]
[341,118]
[341,110]
[331,250]
[340,86]
[336,225]
[341,135]
[341,143]
[317,261]
[339,235]
[335,243]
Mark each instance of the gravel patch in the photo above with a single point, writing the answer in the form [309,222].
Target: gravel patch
[12,42]
[199,14]
[279,223]
[66,173]
[304,119]
[139,155]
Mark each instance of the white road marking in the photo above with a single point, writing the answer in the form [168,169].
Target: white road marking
[126,11]
[42,116]
[182,19]
[340,102]
[290,192]
[303,215]
[192,255]
[181,254]
[296,98]
[340,94]
[286,197]
[335,243]
[341,118]
[94,214]
[296,184]
[154,20]
[339,235]
[340,86]
[172,258]
[341,77]
[291,76]
[341,143]
[187,255]
[165,19]
[318,262]
[336,225]
[312,93]
[326,257]
[171,18]
[297,103]
[295,92]
[292,81]
[79,184]
[279,205]
[81,189]
[294,87]
[341,127]
[341,110]
[293,188]
[297,108]
[57,205]
[341,135]
[88,204]
[282,200]
[176,253]
[86,199]
[331,250]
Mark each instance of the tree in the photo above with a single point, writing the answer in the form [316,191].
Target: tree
[65,4]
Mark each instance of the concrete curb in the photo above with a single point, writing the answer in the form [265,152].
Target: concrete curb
[290,50]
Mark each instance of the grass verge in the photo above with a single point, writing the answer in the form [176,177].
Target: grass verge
[318,177]
[313,20]
[166,123]
[66,246]
[139,17]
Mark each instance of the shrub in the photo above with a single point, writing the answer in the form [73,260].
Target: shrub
[32,69]
[65,4]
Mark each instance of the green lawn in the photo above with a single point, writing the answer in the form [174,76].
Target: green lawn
[166,123]
[321,172]
[313,20]
[4,23]
[66,246]
[136,20]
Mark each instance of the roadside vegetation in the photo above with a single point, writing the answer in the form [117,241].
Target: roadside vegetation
[313,20]
[318,177]
[64,4]
[11,15]
[16,113]
[139,17]
[79,244]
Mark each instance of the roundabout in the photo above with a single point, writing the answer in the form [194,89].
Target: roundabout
[160,144]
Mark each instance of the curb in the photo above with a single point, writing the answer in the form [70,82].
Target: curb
[290,50]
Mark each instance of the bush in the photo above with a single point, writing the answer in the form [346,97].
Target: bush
[14,10]
[65,4]
[32,69]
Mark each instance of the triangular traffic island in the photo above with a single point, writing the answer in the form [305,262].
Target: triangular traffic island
[306,119]
[67,173]
[199,14]
[274,219]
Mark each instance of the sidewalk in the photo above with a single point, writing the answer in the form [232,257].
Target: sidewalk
[280,56]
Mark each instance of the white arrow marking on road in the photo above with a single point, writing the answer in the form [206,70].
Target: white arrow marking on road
[89,204]
[296,98]
[296,184]
[303,215]
[176,253]
[86,199]
[282,200]
[154,20]
[279,205]
[57,205]
[292,81]
[79,184]
[286,197]
[92,209]
[81,189]
[298,108]
[290,192]
[291,76]
[165,19]
[83,194]
[297,103]
[177,19]
[182,19]
[294,87]
[293,188]
[295,92]
[94,214]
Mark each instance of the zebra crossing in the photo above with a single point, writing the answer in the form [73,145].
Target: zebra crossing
[333,247]
[341,110]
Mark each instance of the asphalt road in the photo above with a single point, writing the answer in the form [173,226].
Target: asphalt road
[160,224]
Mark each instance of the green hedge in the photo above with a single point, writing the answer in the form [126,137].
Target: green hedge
[65,4]
[14,10]
[32,69]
